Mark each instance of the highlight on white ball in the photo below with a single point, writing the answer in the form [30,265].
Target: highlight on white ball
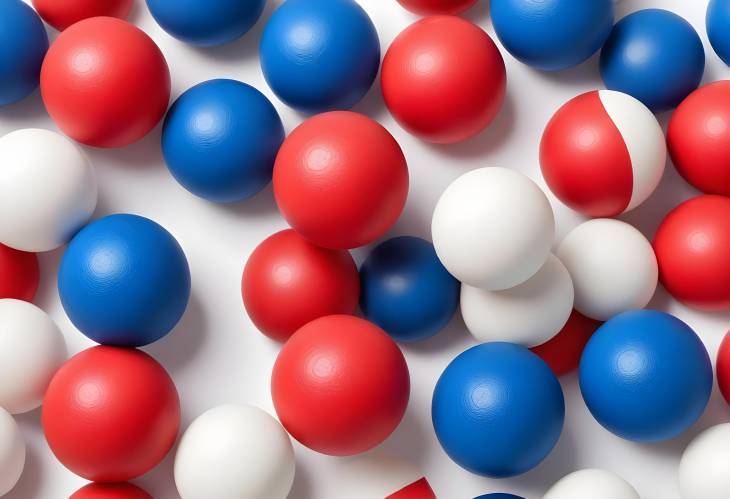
[704,471]
[12,452]
[593,484]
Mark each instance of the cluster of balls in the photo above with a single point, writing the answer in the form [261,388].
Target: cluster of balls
[340,384]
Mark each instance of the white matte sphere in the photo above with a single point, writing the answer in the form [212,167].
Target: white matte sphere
[32,349]
[47,190]
[234,452]
[12,452]
[530,314]
[704,471]
[593,484]
[613,267]
[377,474]
[493,228]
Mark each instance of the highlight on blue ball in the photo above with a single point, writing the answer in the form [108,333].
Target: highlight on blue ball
[646,376]
[406,290]
[718,28]
[220,139]
[124,280]
[498,410]
[655,56]
[23,45]
[320,55]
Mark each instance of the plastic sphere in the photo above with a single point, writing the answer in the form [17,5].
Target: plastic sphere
[19,274]
[723,367]
[433,7]
[120,490]
[61,15]
[593,483]
[231,122]
[603,153]
[340,180]
[43,215]
[209,23]
[124,280]
[691,245]
[435,92]
[12,452]
[320,55]
[613,267]
[105,83]
[552,35]
[563,351]
[529,314]
[498,410]
[340,385]
[493,228]
[499,495]
[288,282]
[406,290]
[381,474]
[717,23]
[655,56]
[704,470]
[111,414]
[645,376]
[234,451]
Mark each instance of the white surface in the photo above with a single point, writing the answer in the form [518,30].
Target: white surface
[704,471]
[593,483]
[12,452]
[215,354]
[375,474]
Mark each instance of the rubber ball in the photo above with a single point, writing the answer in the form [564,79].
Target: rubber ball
[231,122]
[12,452]
[124,280]
[19,274]
[432,90]
[340,385]
[340,180]
[499,495]
[119,490]
[704,470]
[498,410]
[655,56]
[717,22]
[105,83]
[63,14]
[645,376]
[593,483]
[562,352]
[722,367]
[433,7]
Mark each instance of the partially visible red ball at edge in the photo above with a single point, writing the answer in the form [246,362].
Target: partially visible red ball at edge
[432,7]
[121,490]
[563,351]
[64,13]
[722,367]
[19,274]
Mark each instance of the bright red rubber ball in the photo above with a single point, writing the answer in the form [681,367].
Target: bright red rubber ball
[432,7]
[722,367]
[62,14]
[443,79]
[111,414]
[340,385]
[105,83]
[340,180]
[120,490]
[563,351]
[19,274]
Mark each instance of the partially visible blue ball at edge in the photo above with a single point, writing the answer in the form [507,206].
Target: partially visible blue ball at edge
[717,22]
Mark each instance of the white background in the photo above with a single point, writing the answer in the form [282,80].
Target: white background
[215,354]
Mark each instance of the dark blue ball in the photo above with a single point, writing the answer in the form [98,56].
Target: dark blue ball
[406,290]
[23,45]
[499,496]
[220,140]
[645,376]
[655,56]
[320,55]
[718,28]
[124,280]
[498,410]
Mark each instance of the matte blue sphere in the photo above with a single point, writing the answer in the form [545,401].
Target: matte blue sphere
[23,45]
[498,410]
[552,34]
[718,28]
[206,23]
[645,376]
[499,496]
[220,140]
[124,280]
[320,55]
[406,290]
[655,56]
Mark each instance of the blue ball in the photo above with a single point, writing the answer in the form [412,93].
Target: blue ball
[645,376]
[499,496]
[220,140]
[655,56]
[206,23]
[406,290]
[320,55]
[552,34]
[23,45]
[124,280]
[718,28]
[498,410]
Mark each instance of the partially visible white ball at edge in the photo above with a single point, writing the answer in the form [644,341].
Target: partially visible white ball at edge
[704,471]
[12,452]
[593,484]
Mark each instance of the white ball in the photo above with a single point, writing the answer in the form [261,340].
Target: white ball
[32,349]
[613,267]
[376,474]
[47,190]
[493,228]
[12,452]
[596,484]
[234,452]
[704,471]
[529,314]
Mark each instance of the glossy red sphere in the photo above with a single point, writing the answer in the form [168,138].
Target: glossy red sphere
[111,414]
[722,367]
[121,490]
[432,7]
[340,385]
[64,13]
[19,274]
[562,352]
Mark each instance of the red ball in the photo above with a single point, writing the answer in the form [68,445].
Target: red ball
[288,282]
[443,79]
[692,247]
[340,180]
[432,7]
[723,367]
[19,274]
[699,138]
[340,385]
[111,414]
[120,490]
[105,83]
[64,13]
[562,353]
